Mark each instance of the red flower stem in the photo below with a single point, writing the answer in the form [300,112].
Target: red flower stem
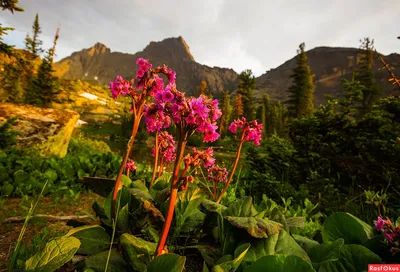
[161,167]
[137,115]
[173,194]
[233,169]
[214,189]
[157,151]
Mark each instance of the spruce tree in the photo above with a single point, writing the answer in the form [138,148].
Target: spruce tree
[267,125]
[202,88]
[365,75]
[246,86]
[44,86]
[10,5]
[226,109]
[237,106]
[33,45]
[301,98]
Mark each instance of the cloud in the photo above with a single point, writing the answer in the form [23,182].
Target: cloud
[257,34]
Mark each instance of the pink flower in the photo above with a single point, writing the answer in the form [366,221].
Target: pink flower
[120,86]
[379,223]
[217,174]
[251,131]
[131,165]
[197,156]
[167,146]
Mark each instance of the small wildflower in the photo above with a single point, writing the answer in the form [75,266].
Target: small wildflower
[131,165]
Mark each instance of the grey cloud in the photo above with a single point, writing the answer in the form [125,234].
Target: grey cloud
[257,34]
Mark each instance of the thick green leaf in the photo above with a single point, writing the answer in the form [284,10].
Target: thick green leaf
[54,255]
[353,258]
[167,263]
[94,239]
[20,177]
[256,227]
[306,243]
[187,216]
[346,226]
[280,263]
[211,206]
[139,190]
[298,221]
[241,208]
[138,251]
[51,175]
[210,254]
[280,243]
[123,219]
[98,262]
[232,265]
[162,182]
[324,253]
[126,181]
[205,267]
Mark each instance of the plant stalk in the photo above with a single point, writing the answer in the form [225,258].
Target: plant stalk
[232,172]
[173,194]
[157,151]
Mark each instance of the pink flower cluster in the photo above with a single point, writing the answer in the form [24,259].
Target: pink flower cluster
[146,78]
[120,86]
[167,147]
[217,174]
[202,115]
[391,233]
[251,131]
[131,165]
[197,156]
[198,114]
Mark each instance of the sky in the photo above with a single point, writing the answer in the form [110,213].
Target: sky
[253,34]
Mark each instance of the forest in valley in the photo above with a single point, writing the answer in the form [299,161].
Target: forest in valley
[212,182]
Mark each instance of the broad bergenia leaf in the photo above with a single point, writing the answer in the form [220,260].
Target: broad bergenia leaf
[138,251]
[280,263]
[167,263]
[94,239]
[54,255]
[256,227]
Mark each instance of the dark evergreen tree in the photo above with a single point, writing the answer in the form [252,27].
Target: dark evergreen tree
[10,5]
[33,45]
[366,76]
[226,108]
[301,99]
[44,86]
[267,125]
[246,86]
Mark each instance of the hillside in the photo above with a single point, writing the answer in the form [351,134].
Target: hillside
[329,64]
[98,63]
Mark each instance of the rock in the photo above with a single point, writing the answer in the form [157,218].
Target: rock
[45,129]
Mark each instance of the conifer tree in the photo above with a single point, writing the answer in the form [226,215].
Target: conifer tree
[301,99]
[246,86]
[202,88]
[10,5]
[267,125]
[33,45]
[365,75]
[44,85]
[238,107]
[226,108]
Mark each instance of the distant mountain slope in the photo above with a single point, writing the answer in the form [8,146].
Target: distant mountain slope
[98,62]
[329,64]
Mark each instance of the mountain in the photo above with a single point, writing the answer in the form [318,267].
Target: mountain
[98,62]
[329,64]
